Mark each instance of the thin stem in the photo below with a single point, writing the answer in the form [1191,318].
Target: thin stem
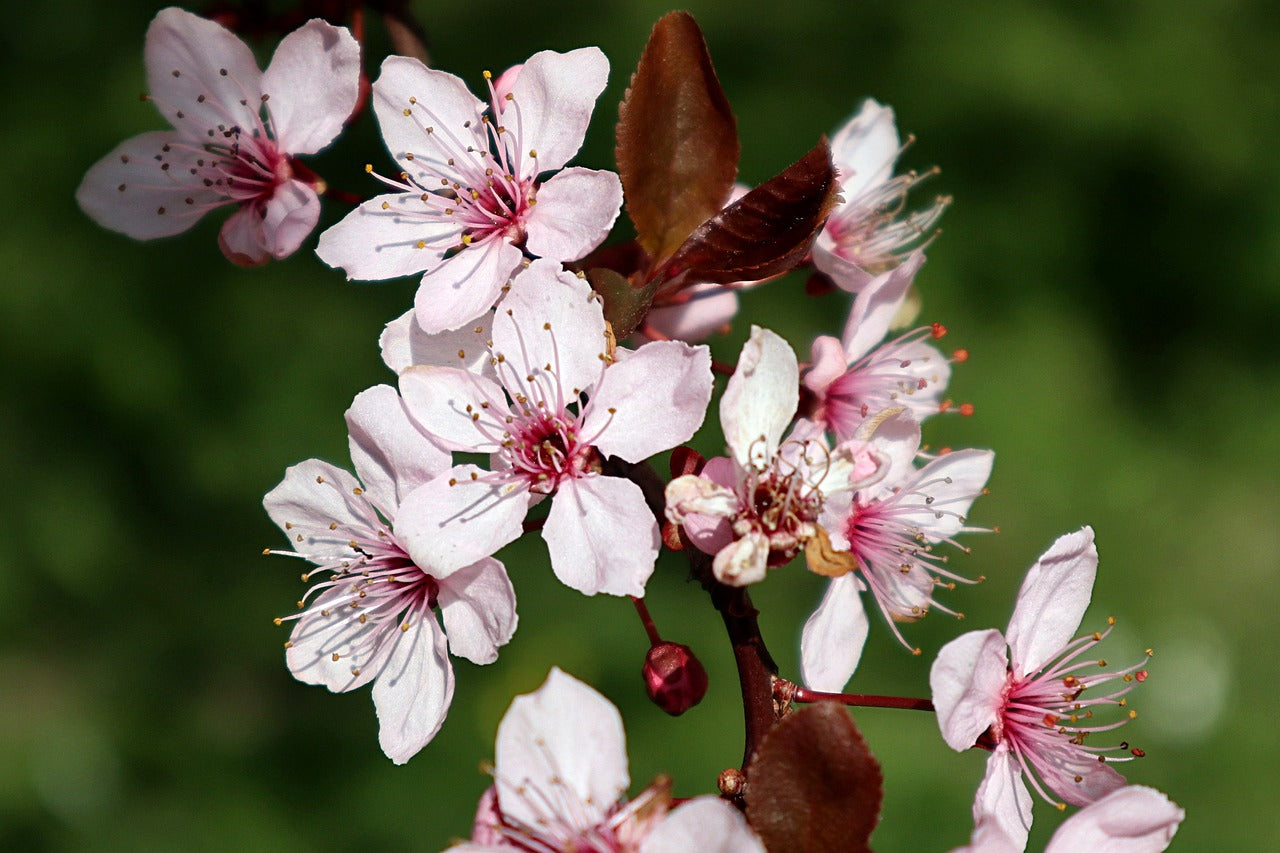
[646,620]
[859,700]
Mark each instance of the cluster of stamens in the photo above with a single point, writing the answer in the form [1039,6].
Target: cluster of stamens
[870,230]
[782,501]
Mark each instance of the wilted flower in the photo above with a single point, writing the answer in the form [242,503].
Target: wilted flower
[236,133]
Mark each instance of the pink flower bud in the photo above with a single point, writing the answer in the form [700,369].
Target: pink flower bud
[674,677]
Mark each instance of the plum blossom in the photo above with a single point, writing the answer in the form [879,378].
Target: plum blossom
[370,617]
[1132,819]
[236,132]
[468,204]
[860,376]
[757,508]
[1030,701]
[561,779]
[549,348]
[866,234]
[882,538]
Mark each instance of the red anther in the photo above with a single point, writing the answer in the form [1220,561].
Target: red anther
[922,384]
[1138,753]
[674,677]
[686,460]
[671,536]
[1141,675]
[1051,720]
[960,355]
[966,409]
[938,330]
[943,451]
[944,406]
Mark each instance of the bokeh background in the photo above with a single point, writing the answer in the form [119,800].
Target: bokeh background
[1110,262]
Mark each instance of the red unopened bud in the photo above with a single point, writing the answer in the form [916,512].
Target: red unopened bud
[674,677]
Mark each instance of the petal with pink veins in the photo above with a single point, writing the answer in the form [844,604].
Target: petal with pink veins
[312,81]
[242,238]
[414,689]
[288,217]
[330,627]
[478,605]
[392,456]
[434,99]
[833,637]
[1003,797]
[601,536]
[462,287]
[553,98]
[651,401]
[461,410]
[452,521]
[380,239]
[576,209]
[1052,601]
[967,680]
[761,398]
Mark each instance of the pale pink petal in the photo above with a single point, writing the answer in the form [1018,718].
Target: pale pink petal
[132,192]
[828,363]
[374,242]
[760,398]
[876,305]
[1003,798]
[312,82]
[575,211]
[404,344]
[242,238]
[704,507]
[330,627]
[1078,777]
[709,310]
[944,491]
[453,521]
[390,452]
[846,275]
[601,536]
[551,322]
[554,97]
[833,637]
[743,561]
[478,605]
[1133,819]
[462,287]
[313,495]
[924,364]
[200,75]
[443,401]
[651,401]
[504,83]
[1052,600]
[989,837]
[704,824]
[895,438]
[488,820]
[288,217]
[865,148]
[414,689]
[967,680]
[434,99]
[563,735]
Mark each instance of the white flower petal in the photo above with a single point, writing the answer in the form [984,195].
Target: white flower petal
[413,690]
[742,562]
[288,217]
[460,288]
[1133,819]
[461,410]
[242,238]
[372,243]
[453,521]
[1052,600]
[405,344]
[761,398]
[967,681]
[1003,798]
[601,536]
[576,209]
[833,637]
[709,310]
[478,606]
[865,148]
[705,825]
[312,81]
[391,454]
[436,100]
[943,491]
[331,627]
[876,305]
[555,94]
[312,496]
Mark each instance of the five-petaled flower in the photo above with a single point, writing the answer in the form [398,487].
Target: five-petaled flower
[468,204]
[561,778]
[866,234]
[236,132]
[549,348]
[1035,703]
[372,617]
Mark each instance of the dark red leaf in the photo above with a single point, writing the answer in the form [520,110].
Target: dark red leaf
[813,785]
[677,137]
[766,232]
[624,305]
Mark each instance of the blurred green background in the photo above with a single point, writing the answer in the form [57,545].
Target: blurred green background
[1110,262]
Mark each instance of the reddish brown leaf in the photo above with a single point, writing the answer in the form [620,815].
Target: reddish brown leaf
[766,232]
[624,305]
[677,137]
[813,784]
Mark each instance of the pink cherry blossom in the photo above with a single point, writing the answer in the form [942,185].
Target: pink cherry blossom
[548,349]
[860,376]
[1132,819]
[236,133]
[866,234]
[561,779]
[371,615]
[890,530]
[757,508]
[1035,703]
[468,204]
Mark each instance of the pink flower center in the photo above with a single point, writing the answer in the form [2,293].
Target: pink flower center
[880,379]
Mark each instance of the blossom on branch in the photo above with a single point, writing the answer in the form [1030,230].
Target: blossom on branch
[548,349]
[866,234]
[468,205]
[560,783]
[371,618]
[1030,700]
[236,133]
